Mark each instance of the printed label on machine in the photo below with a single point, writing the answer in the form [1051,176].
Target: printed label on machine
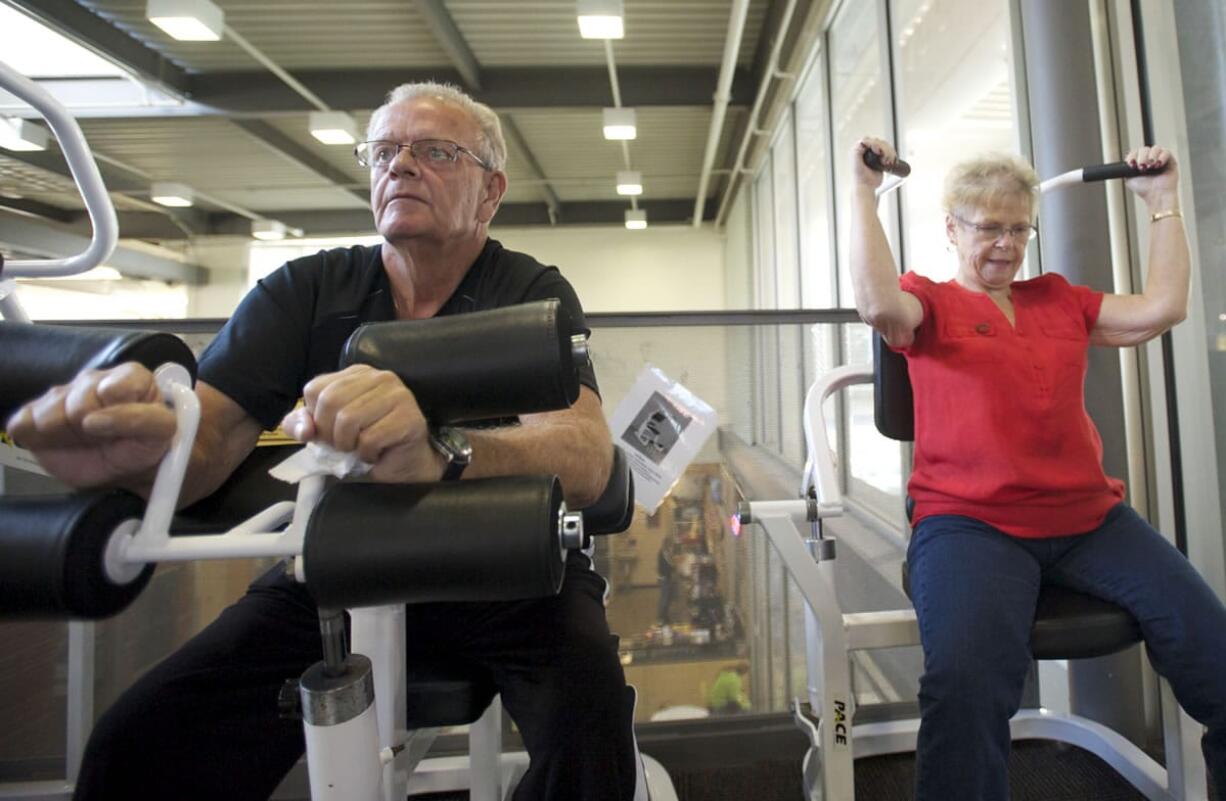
[661,426]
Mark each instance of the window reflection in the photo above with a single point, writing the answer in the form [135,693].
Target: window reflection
[679,600]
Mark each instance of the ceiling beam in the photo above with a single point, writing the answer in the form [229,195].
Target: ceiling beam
[96,34]
[516,138]
[297,154]
[327,222]
[262,94]
[461,55]
[116,179]
[34,208]
[451,40]
[46,240]
[52,161]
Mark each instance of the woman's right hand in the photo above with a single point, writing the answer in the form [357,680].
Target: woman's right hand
[865,175]
[103,427]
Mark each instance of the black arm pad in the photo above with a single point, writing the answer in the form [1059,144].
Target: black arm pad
[479,366]
[493,539]
[51,555]
[893,405]
[37,357]
[614,509]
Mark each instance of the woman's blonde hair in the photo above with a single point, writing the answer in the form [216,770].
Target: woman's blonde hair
[989,179]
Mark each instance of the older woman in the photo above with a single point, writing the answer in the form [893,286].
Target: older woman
[1008,482]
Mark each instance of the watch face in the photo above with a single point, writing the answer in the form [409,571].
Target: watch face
[453,444]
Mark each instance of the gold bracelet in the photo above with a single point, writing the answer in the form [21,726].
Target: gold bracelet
[1162,215]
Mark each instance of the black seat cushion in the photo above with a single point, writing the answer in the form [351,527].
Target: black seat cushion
[446,694]
[1072,625]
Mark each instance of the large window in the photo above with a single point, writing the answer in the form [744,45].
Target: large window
[951,95]
[857,108]
[955,100]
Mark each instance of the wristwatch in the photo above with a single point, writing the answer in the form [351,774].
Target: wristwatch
[452,443]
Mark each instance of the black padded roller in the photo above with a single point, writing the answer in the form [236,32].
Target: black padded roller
[613,511]
[37,357]
[51,555]
[893,404]
[1116,169]
[490,364]
[493,539]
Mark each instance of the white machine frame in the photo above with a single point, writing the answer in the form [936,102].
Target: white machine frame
[832,635]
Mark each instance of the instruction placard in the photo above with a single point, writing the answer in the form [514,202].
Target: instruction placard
[661,426]
[19,458]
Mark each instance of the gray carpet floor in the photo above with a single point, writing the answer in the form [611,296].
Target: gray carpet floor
[1038,771]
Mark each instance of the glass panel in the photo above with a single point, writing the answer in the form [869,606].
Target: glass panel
[33,659]
[858,106]
[874,462]
[787,267]
[813,173]
[764,236]
[777,583]
[765,402]
[783,183]
[955,100]
[791,395]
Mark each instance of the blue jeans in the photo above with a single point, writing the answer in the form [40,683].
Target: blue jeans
[975,588]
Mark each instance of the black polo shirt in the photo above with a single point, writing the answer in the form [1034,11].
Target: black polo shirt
[292,325]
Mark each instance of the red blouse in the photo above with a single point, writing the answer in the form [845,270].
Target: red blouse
[1001,429]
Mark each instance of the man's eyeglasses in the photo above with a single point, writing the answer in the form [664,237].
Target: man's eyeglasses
[379,153]
[994,231]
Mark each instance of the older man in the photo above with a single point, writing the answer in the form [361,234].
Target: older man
[203,723]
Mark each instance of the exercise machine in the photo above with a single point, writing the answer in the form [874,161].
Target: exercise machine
[88,555]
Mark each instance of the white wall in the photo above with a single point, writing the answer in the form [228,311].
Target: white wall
[664,268]
[226,260]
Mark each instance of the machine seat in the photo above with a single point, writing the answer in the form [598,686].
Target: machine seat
[446,694]
[1072,625]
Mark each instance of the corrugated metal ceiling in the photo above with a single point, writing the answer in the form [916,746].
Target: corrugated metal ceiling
[220,158]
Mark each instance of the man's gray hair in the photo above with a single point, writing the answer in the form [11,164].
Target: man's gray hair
[492,148]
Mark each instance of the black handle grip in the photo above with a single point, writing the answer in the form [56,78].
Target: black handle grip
[1117,169]
[900,168]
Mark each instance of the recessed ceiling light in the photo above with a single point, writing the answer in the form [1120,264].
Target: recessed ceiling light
[18,134]
[174,195]
[268,230]
[187,20]
[600,19]
[629,183]
[333,127]
[619,123]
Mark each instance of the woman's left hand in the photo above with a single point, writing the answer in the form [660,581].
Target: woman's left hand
[1158,187]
